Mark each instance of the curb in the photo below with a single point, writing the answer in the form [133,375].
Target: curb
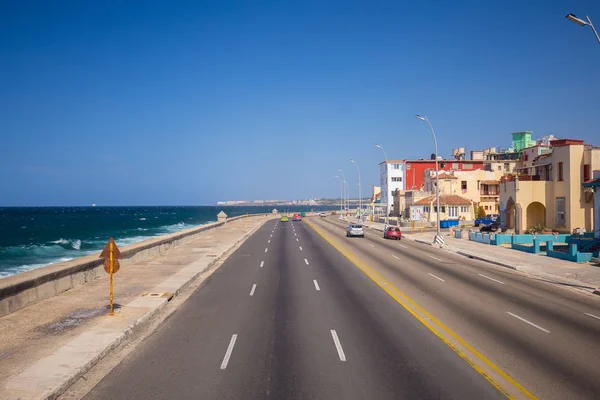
[488,260]
[139,323]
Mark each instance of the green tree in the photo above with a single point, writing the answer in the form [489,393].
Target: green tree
[480,212]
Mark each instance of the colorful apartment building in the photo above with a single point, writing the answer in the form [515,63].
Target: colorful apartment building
[549,192]
[414,170]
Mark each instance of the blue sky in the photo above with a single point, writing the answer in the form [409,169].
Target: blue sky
[175,102]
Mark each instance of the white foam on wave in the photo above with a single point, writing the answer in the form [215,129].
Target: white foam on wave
[131,240]
[75,244]
[142,219]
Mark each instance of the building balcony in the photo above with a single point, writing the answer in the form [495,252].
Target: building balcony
[491,193]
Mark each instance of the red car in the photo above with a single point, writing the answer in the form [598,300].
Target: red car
[296,217]
[392,232]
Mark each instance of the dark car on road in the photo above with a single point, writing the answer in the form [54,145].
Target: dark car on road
[392,232]
[491,227]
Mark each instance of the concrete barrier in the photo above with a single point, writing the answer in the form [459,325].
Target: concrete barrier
[22,290]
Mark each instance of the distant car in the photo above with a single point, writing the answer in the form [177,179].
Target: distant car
[322,214]
[355,230]
[491,227]
[284,218]
[392,232]
[296,217]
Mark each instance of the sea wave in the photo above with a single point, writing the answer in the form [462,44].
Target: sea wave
[74,244]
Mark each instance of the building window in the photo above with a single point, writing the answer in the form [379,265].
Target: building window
[560,212]
[396,179]
[463,186]
[499,167]
[586,172]
[443,209]
[426,209]
[467,166]
[486,208]
[442,165]
[507,167]
[464,209]
[453,211]
[454,165]
[560,171]
[396,166]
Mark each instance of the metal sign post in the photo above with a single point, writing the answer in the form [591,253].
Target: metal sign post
[111,265]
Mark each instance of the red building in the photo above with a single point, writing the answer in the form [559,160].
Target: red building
[414,170]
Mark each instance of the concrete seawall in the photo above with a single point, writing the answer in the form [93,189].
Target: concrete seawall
[30,287]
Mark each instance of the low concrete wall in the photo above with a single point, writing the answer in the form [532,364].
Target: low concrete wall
[572,254]
[21,290]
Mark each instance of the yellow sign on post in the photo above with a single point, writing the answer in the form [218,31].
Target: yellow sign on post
[111,265]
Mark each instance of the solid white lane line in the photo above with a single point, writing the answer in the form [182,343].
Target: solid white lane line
[491,279]
[436,277]
[252,290]
[397,258]
[262,264]
[403,246]
[228,352]
[267,249]
[316,284]
[435,258]
[306,261]
[591,315]
[528,322]
[371,245]
[300,247]
[338,345]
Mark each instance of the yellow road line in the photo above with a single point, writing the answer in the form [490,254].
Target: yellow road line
[378,279]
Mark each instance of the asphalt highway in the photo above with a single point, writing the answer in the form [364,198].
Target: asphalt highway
[299,311]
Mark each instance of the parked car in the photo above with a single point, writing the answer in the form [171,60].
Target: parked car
[488,219]
[355,230]
[284,218]
[392,232]
[491,227]
[296,217]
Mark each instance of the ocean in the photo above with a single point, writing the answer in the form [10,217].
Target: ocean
[33,237]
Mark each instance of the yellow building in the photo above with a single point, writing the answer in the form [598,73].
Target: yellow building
[479,186]
[549,192]
[452,207]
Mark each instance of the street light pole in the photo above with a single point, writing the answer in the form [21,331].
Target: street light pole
[387,188]
[359,190]
[438,237]
[580,22]
[346,197]
[341,193]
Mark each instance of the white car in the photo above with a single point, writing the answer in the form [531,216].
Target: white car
[322,214]
[355,230]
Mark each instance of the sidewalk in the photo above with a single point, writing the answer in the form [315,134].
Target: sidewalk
[45,347]
[585,276]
